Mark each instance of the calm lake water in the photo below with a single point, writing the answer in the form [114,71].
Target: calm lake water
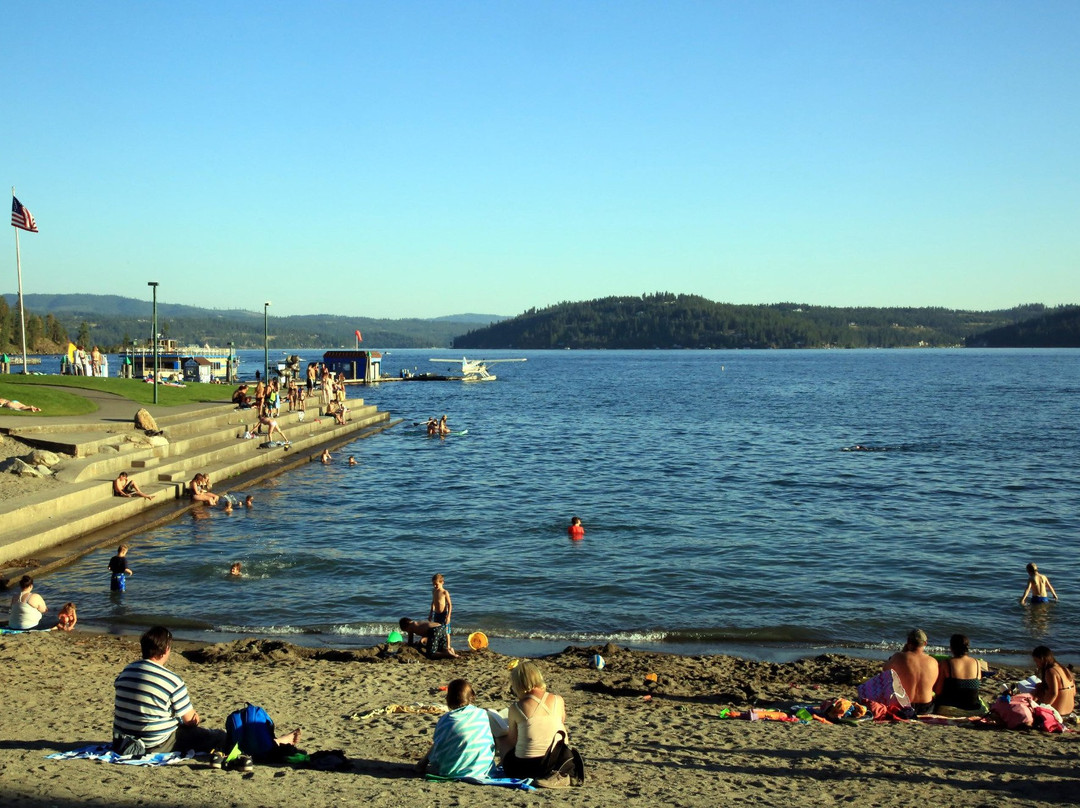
[722,513]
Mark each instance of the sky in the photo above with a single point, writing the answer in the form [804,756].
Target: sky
[421,159]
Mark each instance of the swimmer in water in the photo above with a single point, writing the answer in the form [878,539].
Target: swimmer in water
[1038,585]
[234,570]
[576,531]
[326,458]
[352,460]
[249,502]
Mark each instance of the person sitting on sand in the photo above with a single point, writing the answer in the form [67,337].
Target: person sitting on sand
[271,427]
[432,638]
[152,703]
[66,619]
[1058,686]
[462,745]
[959,678]
[199,489]
[537,743]
[12,404]
[918,671]
[27,606]
[1037,586]
[123,487]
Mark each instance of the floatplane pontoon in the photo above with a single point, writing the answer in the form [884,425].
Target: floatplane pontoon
[475,370]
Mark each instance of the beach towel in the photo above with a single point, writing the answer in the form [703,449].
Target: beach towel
[885,688]
[506,782]
[104,753]
[1015,711]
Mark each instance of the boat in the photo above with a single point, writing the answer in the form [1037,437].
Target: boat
[475,370]
[189,363]
[358,367]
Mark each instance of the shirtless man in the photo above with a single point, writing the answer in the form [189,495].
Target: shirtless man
[433,638]
[123,487]
[918,671]
[1038,585]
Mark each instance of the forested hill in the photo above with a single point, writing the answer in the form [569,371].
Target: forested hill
[1059,328]
[665,320]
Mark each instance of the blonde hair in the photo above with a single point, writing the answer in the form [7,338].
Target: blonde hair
[524,677]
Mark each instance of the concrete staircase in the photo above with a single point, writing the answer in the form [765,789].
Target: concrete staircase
[209,441]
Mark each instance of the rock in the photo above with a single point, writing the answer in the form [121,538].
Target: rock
[14,465]
[158,440]
[44,471]
[42,457]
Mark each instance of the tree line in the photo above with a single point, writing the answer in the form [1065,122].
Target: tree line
[668,320]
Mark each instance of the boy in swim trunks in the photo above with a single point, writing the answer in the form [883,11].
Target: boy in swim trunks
[1038,585]
[118,570]
[440,603]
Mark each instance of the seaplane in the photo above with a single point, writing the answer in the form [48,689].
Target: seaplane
[475,370]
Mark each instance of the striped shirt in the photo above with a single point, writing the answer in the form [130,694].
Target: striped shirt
[462,745]
[149,702]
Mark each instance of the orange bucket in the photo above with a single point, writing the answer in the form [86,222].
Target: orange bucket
[478,640]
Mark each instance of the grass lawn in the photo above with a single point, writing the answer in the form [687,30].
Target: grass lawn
[51,401]
[15,386]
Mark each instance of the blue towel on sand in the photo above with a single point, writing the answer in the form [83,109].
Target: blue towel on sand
[103,752]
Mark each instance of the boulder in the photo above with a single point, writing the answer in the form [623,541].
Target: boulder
[42,457]
[14,465]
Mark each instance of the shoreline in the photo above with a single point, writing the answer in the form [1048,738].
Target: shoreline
[644,744]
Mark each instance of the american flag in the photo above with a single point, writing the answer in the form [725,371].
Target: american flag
[21,217]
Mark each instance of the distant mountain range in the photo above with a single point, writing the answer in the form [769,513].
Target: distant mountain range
[111,320]
[667,320]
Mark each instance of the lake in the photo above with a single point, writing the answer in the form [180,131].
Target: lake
[722,513]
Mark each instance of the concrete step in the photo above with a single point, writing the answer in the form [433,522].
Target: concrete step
[47,518]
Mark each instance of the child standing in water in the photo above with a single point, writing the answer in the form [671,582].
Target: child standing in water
[441,607]
[1038,584]
[119,570]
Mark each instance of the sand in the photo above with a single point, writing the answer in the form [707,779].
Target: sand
[671,749]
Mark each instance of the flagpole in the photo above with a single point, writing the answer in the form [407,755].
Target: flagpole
[22,309]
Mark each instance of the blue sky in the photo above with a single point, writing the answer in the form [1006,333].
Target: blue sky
[421,159]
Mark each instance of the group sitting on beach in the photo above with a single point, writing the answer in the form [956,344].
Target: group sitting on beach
[952,685]
[532,740]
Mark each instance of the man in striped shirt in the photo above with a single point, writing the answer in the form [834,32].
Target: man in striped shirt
[152,703]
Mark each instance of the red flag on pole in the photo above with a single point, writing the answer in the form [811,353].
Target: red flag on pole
[358,337]
[21,217]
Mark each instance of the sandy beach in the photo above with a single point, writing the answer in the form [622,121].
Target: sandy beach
[670,749]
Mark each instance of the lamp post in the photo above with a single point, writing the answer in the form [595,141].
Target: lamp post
[154,285]
[228,367]
[266,344]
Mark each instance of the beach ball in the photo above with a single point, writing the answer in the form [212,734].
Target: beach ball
[394,636]
[598,662]
[478,640]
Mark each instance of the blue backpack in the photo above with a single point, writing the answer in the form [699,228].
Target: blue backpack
[252,729]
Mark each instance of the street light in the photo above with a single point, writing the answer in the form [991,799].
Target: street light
[266,344]
[228,367]
[154,284]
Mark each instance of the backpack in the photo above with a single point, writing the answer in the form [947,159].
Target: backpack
[252,729]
